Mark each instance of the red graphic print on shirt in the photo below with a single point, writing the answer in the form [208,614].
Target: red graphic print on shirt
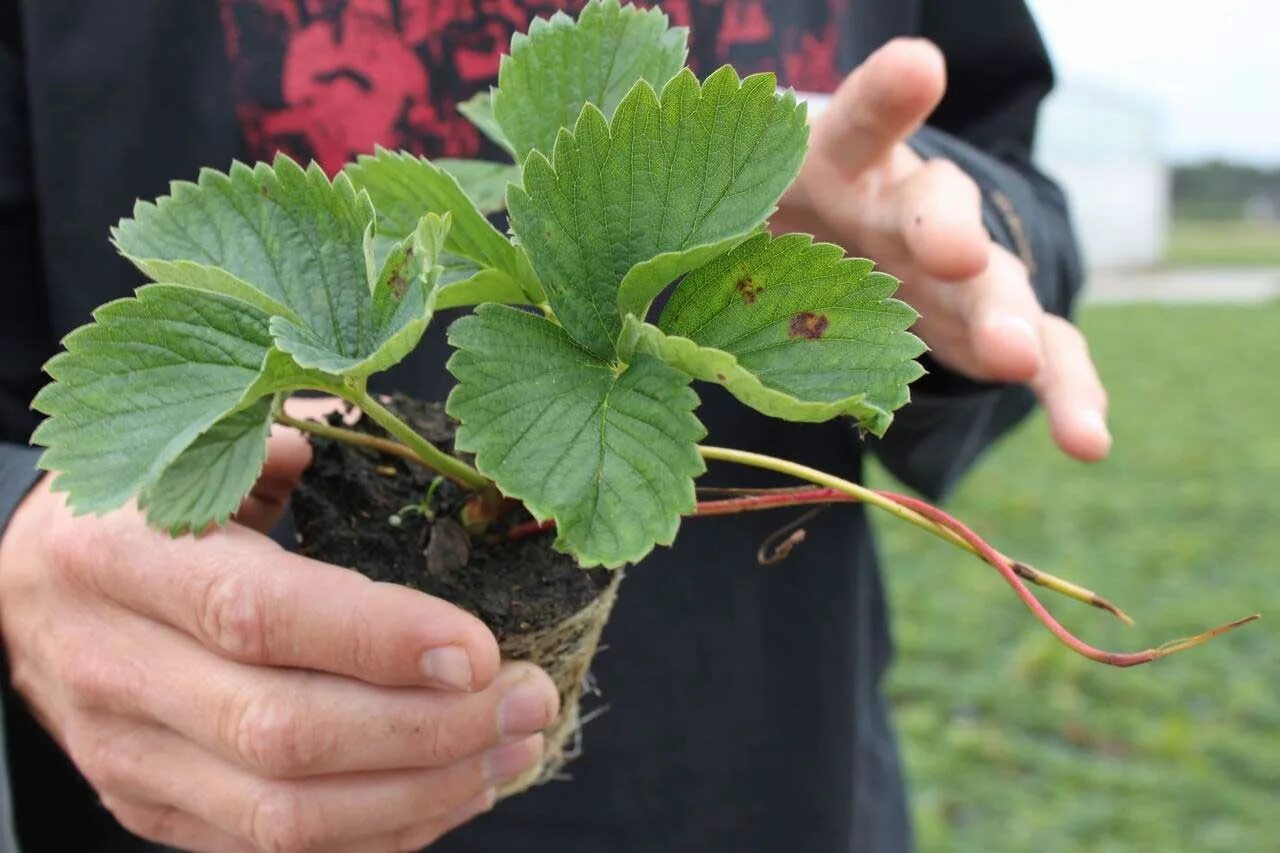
[330,79]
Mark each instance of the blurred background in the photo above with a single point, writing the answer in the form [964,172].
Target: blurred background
[1165,131]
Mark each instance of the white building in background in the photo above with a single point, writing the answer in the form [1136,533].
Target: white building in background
[1105,149]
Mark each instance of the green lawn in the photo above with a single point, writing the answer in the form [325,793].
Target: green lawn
[1196,243]
[1012,742]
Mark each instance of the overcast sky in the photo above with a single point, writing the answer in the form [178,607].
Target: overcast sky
[1213,68]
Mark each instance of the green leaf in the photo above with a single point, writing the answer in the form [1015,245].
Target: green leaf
[561,65]
[610,454]
[294,245]
[484,182]
[283,239]
[138,386]
[479,111]
[793,329]
[404,188]
[206,484]
[400,307]
[624,208]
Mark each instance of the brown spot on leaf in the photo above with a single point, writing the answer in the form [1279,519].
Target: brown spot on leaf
[721,377]
[748,289]
[399,280]
[809,325]
[398,283]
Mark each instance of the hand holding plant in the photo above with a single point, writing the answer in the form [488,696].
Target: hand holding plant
[575,406]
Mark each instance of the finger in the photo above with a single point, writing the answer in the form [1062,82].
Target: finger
[1072,394]
[1003,318]
[424,834]
[316,813]
[881,104]
[940,218]
[313,408]
[288,455]
[249,600]
[291,723]
[171,827]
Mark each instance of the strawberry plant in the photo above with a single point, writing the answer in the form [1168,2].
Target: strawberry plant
[575,406]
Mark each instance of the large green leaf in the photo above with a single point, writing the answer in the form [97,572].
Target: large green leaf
[135,388]
[609,453]
[294,245]
[562,64]
[404,188]
[624,208]
[794,329]
[207,482]
[278,237]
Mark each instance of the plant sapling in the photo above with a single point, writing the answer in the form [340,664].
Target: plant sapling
[574,406]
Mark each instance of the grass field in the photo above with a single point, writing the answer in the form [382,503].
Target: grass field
[1195,243]
[1012,742]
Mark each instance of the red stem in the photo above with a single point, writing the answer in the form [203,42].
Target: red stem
[1007,568]
[729,506]
[1001,562]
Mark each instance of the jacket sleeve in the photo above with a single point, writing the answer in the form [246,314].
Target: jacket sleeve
[998,74]
[24,327]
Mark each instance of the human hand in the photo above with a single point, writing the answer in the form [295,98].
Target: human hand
[222,694]
[863,188]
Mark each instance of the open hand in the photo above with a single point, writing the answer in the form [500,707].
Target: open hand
[222,694]
[863,188]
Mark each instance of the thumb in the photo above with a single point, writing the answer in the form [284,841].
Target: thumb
[288,455]
[880,104]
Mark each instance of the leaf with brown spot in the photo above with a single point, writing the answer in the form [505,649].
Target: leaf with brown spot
[819,337]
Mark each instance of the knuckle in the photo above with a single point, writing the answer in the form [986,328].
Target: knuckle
[360,642]
[418,837]
[945,176]
[442,743]
[102,760]
[271,732]
[1073,338]
[279,822]
[152,823]
[947,170]
[75,547]
[232,617]
[137,819]
[94,681]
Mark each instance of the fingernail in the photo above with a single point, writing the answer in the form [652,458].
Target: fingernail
[506,762]
[1092,420]
[526,708]
[449,666]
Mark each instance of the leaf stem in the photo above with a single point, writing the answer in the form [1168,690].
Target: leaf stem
[350,436]
[941,524]
[430,455]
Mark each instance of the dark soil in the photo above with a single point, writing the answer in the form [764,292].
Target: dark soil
[343,512]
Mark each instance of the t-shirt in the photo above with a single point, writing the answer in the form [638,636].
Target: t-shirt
[742,703]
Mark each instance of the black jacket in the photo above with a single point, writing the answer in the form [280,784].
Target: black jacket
[744,704]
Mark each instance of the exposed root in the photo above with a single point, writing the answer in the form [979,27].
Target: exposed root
[1002,563]
[777,547]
